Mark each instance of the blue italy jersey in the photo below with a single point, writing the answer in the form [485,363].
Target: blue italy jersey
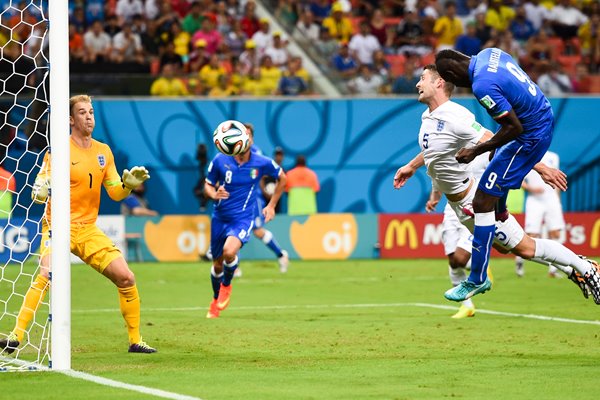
[241,181]
[501,85]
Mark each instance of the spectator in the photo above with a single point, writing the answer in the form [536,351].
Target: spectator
[286,12]
[339,26]
[249,59]
[236,39]
[94,11]
[76,47]
[168,84]
[321,9]
[270,75]
[327,45]
[127,47]
[344,63]
[554,82]
[290,84]
[181,39]
[483,30]
[366,83]
[448,27]
[23,31]
[521,28]
[223,20]
[406,83]
[566,19]
[302,188]
[7,189]
[202,157]
[278,51]
[301,71]
[249,20]
[111,26]
[306,30]
[209,74]
[498,16]
[410,36]
[126,9]
[171,57]
[97,44]
[267,184]
[136,204]
[199,56]
[581,79]
[263,38]
[209,34]
[254,85]
[536,13]
[469,43]
[224,88]
[589,36]
[381,66]
[363,44]
[378,27]
[192,22]
[538,54]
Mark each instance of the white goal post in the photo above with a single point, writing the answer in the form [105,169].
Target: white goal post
[60,291]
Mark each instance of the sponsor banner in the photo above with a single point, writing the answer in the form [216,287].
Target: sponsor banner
[420,235]
[114,227]
[171,237]
[19,238]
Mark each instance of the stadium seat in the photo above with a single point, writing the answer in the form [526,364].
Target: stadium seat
[557,44]
[568,63]
[594,84]
[392,21]
[428,59]
[396,64]
[356,23]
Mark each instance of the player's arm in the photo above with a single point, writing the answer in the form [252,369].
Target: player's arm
[269,210]
[510,129]
[408,170]
[552,176]
[434,198]
[213,193]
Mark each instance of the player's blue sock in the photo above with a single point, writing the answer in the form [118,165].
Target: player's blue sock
[229,270]
[271,243]
[483,237]
[215,280]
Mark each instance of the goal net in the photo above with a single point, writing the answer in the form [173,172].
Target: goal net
[24,138]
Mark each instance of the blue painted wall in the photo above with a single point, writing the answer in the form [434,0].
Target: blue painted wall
[355,145]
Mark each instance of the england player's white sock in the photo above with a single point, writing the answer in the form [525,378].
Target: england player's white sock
[558,255]
[457,275]
[566,270]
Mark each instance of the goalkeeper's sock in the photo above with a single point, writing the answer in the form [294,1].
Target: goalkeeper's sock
[271,243]
[229,270]
[215,280]
[129,301]
[34,296]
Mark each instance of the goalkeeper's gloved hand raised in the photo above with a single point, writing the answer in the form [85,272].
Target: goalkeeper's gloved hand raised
[39,193]
[134,177]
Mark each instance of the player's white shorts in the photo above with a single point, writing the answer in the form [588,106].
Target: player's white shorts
[543,211]
[454,234]
[508,233]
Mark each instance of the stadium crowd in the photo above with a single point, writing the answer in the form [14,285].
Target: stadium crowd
[223,48]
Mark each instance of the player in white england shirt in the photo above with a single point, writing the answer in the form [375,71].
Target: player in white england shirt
[542,207]
[448,127]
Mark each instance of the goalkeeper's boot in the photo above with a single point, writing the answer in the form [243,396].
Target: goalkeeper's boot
[464,312]
[141,347]
[284,261]
[224,297]
[592,278]
[9,344]
[466,290]
[213,311]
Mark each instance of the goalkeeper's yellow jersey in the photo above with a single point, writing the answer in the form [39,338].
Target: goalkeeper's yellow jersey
[90,169]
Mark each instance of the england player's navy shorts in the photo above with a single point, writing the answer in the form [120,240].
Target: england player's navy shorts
[221,230]
[511,163]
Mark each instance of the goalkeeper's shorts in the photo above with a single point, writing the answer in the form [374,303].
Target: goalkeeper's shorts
[89,243]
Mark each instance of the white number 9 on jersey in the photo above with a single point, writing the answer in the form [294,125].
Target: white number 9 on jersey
[520,75]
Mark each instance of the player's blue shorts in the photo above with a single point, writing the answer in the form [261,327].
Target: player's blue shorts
[220,230]
[512,162]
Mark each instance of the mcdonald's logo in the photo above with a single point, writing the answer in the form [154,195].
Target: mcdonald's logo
[398,232]
[595,236]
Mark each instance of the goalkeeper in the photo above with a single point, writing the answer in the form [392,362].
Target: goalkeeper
[92,166]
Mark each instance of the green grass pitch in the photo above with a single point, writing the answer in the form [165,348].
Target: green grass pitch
[329,330]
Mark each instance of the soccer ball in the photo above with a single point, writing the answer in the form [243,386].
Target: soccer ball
[231,138]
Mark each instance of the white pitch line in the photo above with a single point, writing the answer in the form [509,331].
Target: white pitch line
[366,305]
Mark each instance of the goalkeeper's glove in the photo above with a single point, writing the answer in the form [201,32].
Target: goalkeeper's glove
[134,177]
[39,193]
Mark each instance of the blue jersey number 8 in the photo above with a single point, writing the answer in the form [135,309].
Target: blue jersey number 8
[520,75]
